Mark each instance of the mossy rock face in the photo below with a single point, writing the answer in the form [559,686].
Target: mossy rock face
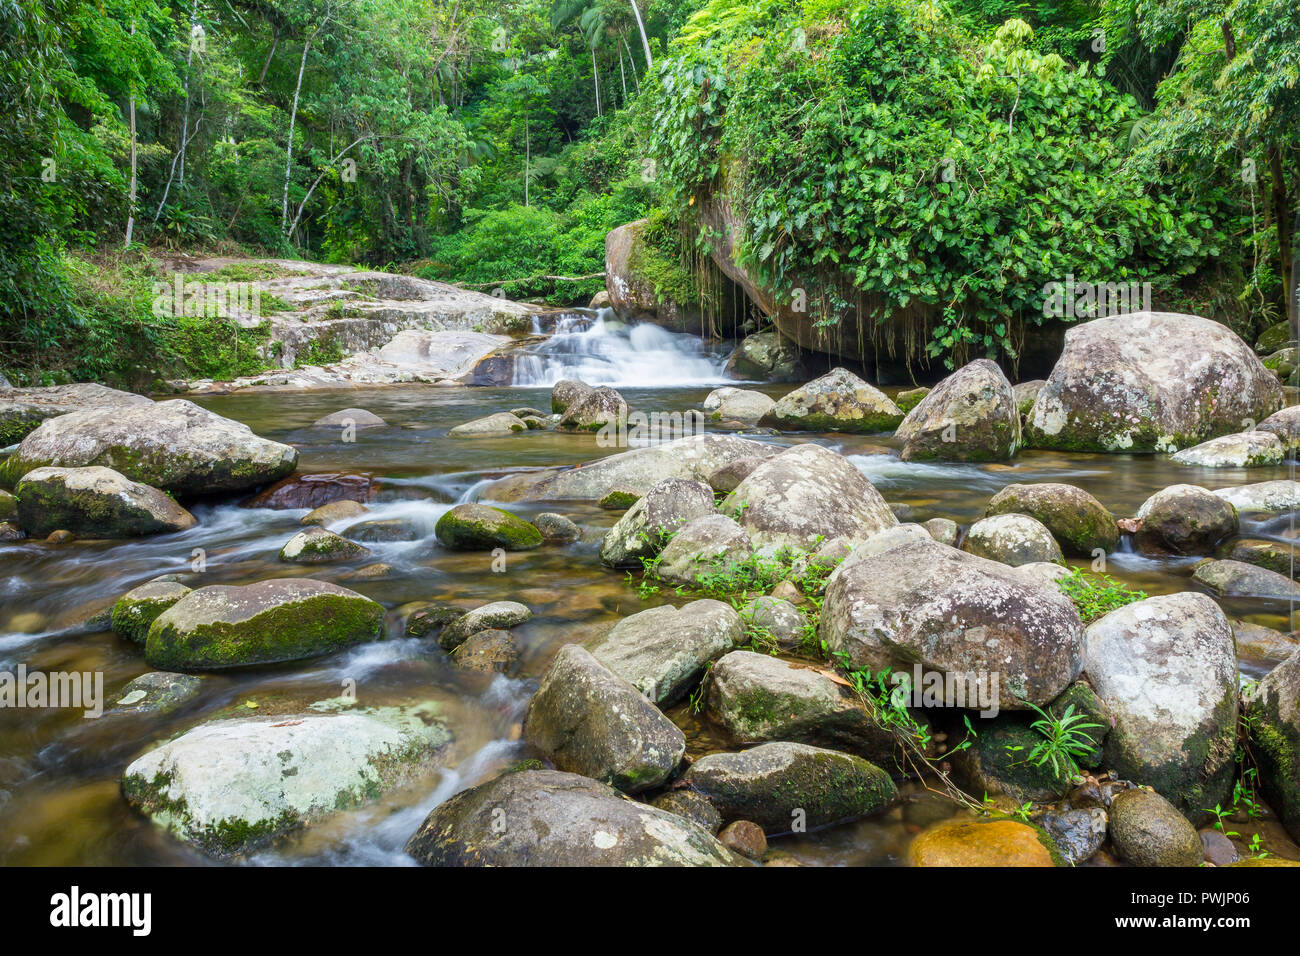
[619,498]
[233,786]
[157,692]
[95,502]
[766,357]
[137,609]
[430,619]
[1000,761]
[220,627]
[1276,556]
[1078,521]
[783,785]
[993,843]
[1147,830]
[691,805]
[839,401]
[970,416]
[8,506]
[1087,704]
[1274,710]
[315,545]
[568,392]
[475,527]
[1185,519]
[909,399]
[1275,338]
[1239,579]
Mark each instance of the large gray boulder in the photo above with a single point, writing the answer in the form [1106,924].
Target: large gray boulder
[765,357]
[1185,519]
[928,604]
[597,409]
[548,818]
[788,786]
[22,409]
[588,720]
[1166,669]
[95,503]
[702,545]
[970,416]
[288,619]
[758,697]
[1285,424]
[235,785]
[1013,539]
[737,404]
[644,529]
[1253,449]
[1150,381]
[1267,497]
[1229,578]
[803,495]
[662,652]
[1075,518]
[839,401]
[175,445]
[1274,709]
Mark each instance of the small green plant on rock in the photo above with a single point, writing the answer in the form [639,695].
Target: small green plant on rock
[1065,738]
[1095,596]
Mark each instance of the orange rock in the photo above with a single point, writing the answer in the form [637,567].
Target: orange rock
[982,843]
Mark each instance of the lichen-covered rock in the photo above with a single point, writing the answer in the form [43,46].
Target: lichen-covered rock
[725,479]
[804,495]
[174,445]
[737,404]
[490,651]
[702,545]
[549,818]
[765,357]
[1278,556]
[1260,649]
[1285,424]
[1150,381]
[598,408]
[157,692]
[1252,449]
[943,530]
[984,843]
[1238,579]
[839,401]
[757,697]
[1013,539]
[498,614]
[645,528]
[556,527]
[970,416]
[137,609]
[23,409]
[662,652]
[288,619]
[957,613]
[333,511]
[781,786]
[475,527]
[1185,519]
[315,545]
[691,805]
[778,620]
[95,502]
[566,393]
[1267,497]
[1274,709]
[500,423]
[1026,393]
[1276,336]
[1075,518]
[1166,669]
[231,786]
[1147,830]
[588,720]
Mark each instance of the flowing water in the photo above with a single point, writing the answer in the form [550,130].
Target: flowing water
[59,772]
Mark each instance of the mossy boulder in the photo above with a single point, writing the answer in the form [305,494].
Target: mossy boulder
[785,786]
[475,527]
[839,401]
[95,502]
[157,692]
[1276,556]
[1229,578]
[647,525]
[1274,711]
[1078,521]
[288,619]
[1252,449]
[702,545]
[540,818]
[999,762]
[600,408]
[1275,337]
[496,615]
[1147,830]
[1285,424]
[8,506]
[236,785]
[566,393]
[315,545]
[1013,539]
[428,620]
[1082,701]
[970,416]
[500,423]
[1185,519]
[765,357]
[997,842]
[137,609]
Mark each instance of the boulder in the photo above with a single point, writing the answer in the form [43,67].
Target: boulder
[1078,834]
[839,401]
[137,609]
[1274,727]
[1238,579]
[95,502]
[1267,553]
[546,818]
[1166,669]
[619,498]
[663,651]
[943,530]
[765,357]
[1241,450]
[638,282]
[1013,539]
[703,545]
[1147,830]
[1075,518]
[784,786]
[314,491]
[955,613]
[1026,393]
[350,417]
[1150,381]
[174,445]
[737,404]
[997,763]
[490,651]
[23,409]
[1260,649]
[556,528]
[970,416]
[691,805]
[501,423]
[909,399]
[777,619]
[757,697]
[428,620]
[232,786]
[1264,496]
[287,619]
[984,843]
[1184,519]
[315,545]
[645,528]
[725,479]
[588,720]
[746,838]
[340,510]
[804,495]
[1285,424]
[157,692]
[597,409]
[498,614]
[566,393]
[1276,336]
[386,530]
[475,527]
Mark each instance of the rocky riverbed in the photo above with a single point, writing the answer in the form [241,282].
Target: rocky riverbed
[605,621]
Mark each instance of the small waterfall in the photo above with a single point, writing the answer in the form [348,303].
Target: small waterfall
[605,351]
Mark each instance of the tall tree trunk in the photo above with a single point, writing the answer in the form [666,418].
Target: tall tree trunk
[275,42]
[622,75]
[1283,216]
[288,151]
[632,61]
[527,156]
[130,212]
[595,78]
[645,41]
